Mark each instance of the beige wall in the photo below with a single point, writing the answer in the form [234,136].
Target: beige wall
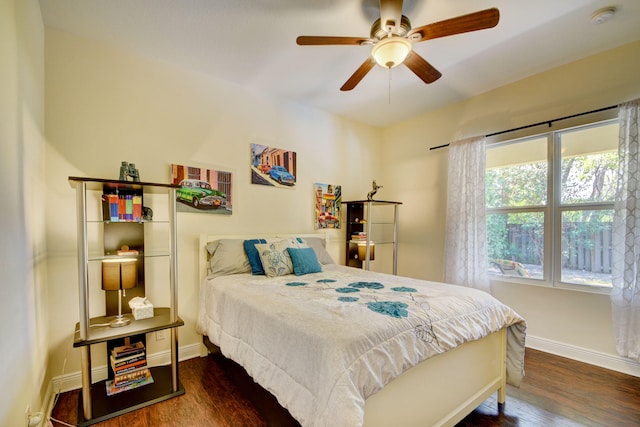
[575,323]
[105,105]
[23,292]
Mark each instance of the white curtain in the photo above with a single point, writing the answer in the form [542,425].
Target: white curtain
[466,259]
[625,295]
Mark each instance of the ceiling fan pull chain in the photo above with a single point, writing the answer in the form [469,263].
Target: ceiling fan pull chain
[389,85]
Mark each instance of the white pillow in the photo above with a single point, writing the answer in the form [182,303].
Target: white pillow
[275,258]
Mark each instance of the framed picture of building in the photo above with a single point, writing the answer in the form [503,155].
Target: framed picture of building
[202,190]
[328,200]
[273,166]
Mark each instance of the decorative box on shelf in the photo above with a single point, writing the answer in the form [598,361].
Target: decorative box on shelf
[141,308]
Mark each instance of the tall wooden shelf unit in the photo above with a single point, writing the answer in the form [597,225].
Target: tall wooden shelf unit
[380,230]
[94,246]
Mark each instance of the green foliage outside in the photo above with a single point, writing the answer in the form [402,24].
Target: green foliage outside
[519,235]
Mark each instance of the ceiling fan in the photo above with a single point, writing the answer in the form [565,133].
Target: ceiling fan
[392,38]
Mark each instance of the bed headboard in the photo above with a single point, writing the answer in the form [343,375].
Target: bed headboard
[203,255]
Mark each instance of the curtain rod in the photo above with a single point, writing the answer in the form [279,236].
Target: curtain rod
[549,122]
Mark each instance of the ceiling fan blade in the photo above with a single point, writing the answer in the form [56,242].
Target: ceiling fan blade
[329,40]
[481,20]
[422,68]
[359,74]
[390,15]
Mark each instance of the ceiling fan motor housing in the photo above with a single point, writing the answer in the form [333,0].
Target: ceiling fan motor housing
[378,33]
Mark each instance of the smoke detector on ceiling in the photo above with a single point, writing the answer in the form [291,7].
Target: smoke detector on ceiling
[603,15]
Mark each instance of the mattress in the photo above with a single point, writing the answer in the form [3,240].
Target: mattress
[324,342]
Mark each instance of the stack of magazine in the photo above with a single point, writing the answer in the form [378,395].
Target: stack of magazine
[129,364]
[359,236]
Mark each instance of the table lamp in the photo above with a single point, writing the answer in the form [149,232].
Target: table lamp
[119,275]
[362,251]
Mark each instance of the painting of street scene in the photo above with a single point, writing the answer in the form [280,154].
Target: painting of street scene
[202,190]
[273,166]
[328,199]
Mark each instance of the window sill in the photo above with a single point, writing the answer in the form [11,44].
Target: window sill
[508,280]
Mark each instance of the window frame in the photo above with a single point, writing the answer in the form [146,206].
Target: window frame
[554,209]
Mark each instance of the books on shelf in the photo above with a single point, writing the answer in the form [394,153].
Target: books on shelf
[128,349]
[131,377]
[123,360]
[128,207]
[127,252]
[123,207]
[129,365]
[360,236]
[112,388]
[113,207]
[137,208]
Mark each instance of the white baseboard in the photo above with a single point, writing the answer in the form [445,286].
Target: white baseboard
[603,360]
[73,381]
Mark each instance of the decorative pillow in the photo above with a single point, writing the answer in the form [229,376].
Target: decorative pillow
[228,258]
[275,257]
[317,244]
[252,254]
[304,261]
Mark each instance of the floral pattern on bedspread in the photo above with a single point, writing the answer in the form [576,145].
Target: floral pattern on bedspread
[395,309]
[322,343]
[390,308]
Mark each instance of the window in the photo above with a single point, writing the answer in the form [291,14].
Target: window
[224,183]
[549,201]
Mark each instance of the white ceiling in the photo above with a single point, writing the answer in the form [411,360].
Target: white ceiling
[252,43]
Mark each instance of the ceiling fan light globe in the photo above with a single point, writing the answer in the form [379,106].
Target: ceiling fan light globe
[391,52]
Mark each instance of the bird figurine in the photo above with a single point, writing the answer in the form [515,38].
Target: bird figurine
[373,191]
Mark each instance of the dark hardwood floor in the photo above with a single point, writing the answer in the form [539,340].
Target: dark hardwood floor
[555,392]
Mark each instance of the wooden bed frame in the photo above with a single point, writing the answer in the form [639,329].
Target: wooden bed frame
[440,391]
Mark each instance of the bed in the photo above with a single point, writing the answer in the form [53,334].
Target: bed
[348,347]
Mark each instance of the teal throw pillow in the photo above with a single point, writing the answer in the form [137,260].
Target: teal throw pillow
[254,257]
[304,261]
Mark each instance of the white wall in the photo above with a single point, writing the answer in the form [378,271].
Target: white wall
[572,323]
[105,105]
[23,292]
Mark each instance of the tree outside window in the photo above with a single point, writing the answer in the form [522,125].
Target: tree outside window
[561,183]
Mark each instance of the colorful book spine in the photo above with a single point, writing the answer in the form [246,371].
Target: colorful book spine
[131,377]
[113,389]
[129,383]
[129,367]
[116,363]
[128,350]
[128,358]
[122,208]
[128,207]
[113,207]
[137,208]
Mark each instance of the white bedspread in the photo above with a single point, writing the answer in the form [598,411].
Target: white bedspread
[322,343]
